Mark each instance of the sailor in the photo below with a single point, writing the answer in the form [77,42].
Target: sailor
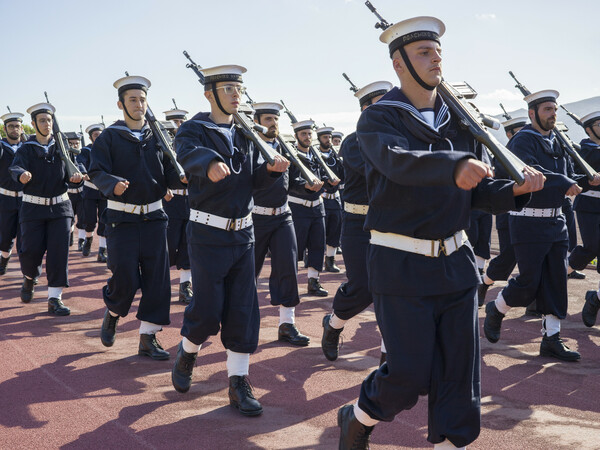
[220,162]
[353,296]
[587,207]
[331,199]
[10,190]
[308,212]
[75,189]
[130,170]
[46,213]
[274,232]
[94,203]
[423,179]
[177,116]
[538,233]
[336,138]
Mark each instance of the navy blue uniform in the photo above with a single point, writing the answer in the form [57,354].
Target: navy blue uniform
[309,221]
[44,228]
[94,203]
[136,242]
[426,307]
[10,198]
[333,206]
[541,243]
[178,210]
[587,207]
[276,233]
[75,196]
[222,261]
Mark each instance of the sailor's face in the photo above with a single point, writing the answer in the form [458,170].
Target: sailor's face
[74,143]
[135,102]
[426,58]
[325,141]
[43,122]
[547,114]
[95,135]
[13,129]
[177,122]
[336,141]
[304,138]
[229,94]
[271,122]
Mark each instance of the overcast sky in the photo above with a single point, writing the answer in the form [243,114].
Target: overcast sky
[295,50]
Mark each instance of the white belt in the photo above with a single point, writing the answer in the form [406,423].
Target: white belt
[11,193]
[421,246]
[264,211]
[595,194]
[537,212]
[45,200]
[220,222]
[307,203]
[354,208]
[179,191]
[328,196]
[90,185]
[132,208]
[75,190]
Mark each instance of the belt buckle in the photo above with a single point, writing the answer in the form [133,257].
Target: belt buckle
[133,210]
[144,209]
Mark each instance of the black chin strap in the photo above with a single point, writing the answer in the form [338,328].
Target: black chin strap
[216,95]
[36,127]
[594,133]
[413,72]
[539,122]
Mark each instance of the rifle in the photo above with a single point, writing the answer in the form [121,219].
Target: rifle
[82,136]
[562,138]
[353,87]
[163,137]
[573,116]
[60,140]
[244,122]
[505,114]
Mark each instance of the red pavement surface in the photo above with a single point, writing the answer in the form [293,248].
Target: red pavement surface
[60,388]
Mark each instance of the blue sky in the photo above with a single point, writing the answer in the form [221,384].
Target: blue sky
[294,50]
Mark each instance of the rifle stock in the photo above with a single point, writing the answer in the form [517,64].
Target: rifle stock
[60,139]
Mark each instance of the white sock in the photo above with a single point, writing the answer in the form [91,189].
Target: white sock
[363,417]
[550,325]
[330,251]
[89,234]
[112,313]
[149,327]
[238,364]
[286,315]
[5,254]
[101,241]
[55,292]
[185,275]
[598,291]
[81,234]
[313,273]
[189,346]
[383,350]
[501,304]
[480,262]
[446,444]
[336,322]
[570,270]
[487,280]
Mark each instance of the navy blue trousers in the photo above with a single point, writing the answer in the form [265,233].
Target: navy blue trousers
[50,237]
[567,209]
[78,210]
[501,266]
[93,209]
[542,277]
[9,224]
[353,296]
[224,298]
[138,260]
[333,227]
[480,233]
[277,234]
[310,234]
[177,244]
[589,227]
[432,349]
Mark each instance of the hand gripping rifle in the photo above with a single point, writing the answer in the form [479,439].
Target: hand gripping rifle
[63,147]
[564,141]
[472,120]
[243,121]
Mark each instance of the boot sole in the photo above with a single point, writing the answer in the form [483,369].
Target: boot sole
[255,413]
[59,313]
[155,358]
[316,294]
[548,354]
[297,344]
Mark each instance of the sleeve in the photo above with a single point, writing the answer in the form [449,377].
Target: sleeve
[261,177]
[19,165]
[101,166]
[191,154]
[351,155]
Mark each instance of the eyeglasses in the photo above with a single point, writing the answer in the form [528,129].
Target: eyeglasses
[597,125]
[230,89]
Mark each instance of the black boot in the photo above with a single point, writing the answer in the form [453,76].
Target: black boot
[109,329]
[57,307]
[181,375]
[575,275]
[330,265]
[531,310]
[554,346]
[288,332]
[330,342]
[492,323]
[101,255]
[87,246]
[353,434]
[481,293]
[3,264]
[590,309]
[315,288]
[185,292]
[27,290]
[383,358]
[241,397]
[80,244]
[149,346]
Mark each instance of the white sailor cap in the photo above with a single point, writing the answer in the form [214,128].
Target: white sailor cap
[132,82]
[514,123]
[94,127]
[267,108]
[338,134]
[372,90]
[588,119]
[549,95]
[41,108]
[168,125]
[228,72]
[324,130]
[12,117]
[421,28]
[303,125]
[175,114]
